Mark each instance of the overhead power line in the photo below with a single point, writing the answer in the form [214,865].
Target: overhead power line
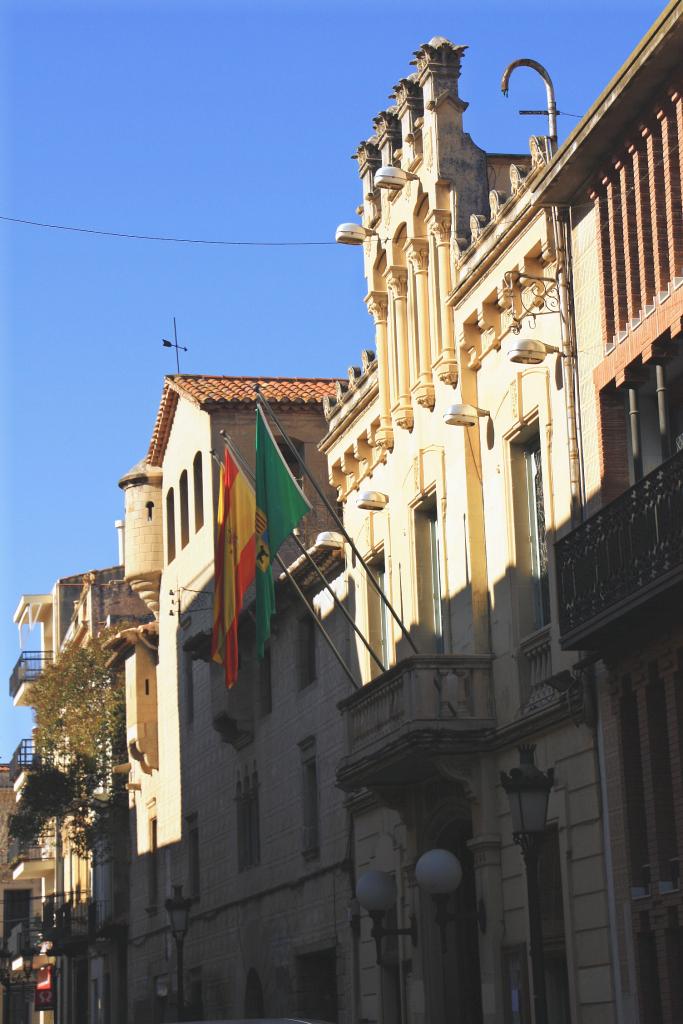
[151,238]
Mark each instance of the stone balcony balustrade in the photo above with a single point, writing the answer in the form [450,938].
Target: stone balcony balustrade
[425,707]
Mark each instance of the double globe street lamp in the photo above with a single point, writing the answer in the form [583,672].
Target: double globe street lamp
[178,910]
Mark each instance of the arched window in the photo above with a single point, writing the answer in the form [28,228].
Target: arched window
[170,525]
[198,492]
[184,511]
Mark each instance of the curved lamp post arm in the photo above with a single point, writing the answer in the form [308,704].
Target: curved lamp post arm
[527,62]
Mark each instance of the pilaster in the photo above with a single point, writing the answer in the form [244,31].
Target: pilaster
[378,306]
[397,282]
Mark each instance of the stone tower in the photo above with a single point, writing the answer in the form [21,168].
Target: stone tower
[143,537]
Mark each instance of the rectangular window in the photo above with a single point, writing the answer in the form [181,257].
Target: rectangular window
[17,910]
[532,590]
[248,823]
[153,864]
[537,538]
[634,793]
[309,780]
[193,864]
[378,616]
[307,665]
[428,576]
[265,690]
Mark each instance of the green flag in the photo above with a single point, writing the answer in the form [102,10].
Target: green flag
[280,505]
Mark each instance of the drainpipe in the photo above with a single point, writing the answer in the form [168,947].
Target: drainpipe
[568,364]
[609,870]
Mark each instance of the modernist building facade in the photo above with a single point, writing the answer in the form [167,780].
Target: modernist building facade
[458,260]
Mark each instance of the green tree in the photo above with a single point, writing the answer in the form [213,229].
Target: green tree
[80,735]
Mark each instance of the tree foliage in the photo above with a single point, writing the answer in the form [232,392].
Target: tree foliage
[79,737]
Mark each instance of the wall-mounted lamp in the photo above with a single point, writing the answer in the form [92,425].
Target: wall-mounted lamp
[329,539]
[530,351]
[372,501]
[462,415]
[393,178]
[439,873]
[376,893]
[352,234]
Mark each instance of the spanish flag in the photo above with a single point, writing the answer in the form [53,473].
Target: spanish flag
[235,563]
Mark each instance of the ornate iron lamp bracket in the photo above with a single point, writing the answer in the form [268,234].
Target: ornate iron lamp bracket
[540,298]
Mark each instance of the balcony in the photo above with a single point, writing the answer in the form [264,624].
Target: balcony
[619,568]
[27,669]
[70,926]
[23,758]
[403,723]
[31,861]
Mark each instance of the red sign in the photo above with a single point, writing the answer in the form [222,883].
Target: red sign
[45,989]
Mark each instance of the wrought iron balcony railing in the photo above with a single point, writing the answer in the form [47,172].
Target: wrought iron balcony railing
[23,758]
[625,554]
[27,669]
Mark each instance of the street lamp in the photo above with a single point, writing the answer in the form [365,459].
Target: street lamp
[528,789]
[6,978]
[178,910]
[376,893]
[439,873]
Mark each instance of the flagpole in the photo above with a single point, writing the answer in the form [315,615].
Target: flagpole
[250,476]
[338,603]
[328,505]
[317,621]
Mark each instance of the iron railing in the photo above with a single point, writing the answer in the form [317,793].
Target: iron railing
[23,758]
[630,549]
[27,669]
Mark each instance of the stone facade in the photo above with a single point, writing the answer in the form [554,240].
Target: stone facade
[239,804]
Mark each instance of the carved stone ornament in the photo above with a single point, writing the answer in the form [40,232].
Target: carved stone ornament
[456,769]
[439,56]
[418,255]
[408,96]
[368,156]
[496,201]
[397,280]
[329,406]
[384,438]
[387,128]
[368,360]
[378,306]
[424,394]
[538,147]
[447,371]
[403,417]
[439,226]
[517,176]
[477,225]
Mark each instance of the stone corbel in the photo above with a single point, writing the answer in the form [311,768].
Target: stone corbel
[337,478]
[143,745]
[459,770]
[362,452]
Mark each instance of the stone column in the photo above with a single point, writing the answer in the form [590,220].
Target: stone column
[446,366]
[378,304]
[418,254]
[397,281]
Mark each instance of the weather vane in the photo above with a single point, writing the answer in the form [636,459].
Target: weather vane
[174,344]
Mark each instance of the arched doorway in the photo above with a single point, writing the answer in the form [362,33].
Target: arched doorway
[253,997]
[455,980]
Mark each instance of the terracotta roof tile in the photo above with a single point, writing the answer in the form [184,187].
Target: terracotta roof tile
[207,392]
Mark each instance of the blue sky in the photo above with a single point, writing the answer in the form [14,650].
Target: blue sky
[206,120]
